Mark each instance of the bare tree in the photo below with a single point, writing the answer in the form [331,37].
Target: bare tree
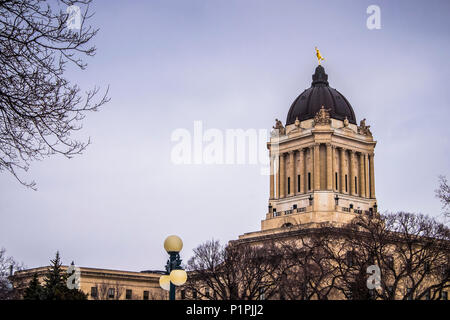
[8,265]
[106,289]
[233,272]
[307,271]
[39,108]
[443,193]
[411,250]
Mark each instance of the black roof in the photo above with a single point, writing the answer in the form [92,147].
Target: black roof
[320,94]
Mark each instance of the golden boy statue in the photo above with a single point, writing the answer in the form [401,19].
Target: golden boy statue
[319,56]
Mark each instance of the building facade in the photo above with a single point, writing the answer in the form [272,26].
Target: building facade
[106,284]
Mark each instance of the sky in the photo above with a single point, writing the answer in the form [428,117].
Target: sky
[234,64]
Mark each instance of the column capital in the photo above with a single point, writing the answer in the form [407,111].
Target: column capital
[328,144]
[291,152]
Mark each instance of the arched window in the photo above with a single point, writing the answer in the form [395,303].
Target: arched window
[289,185]
[336,180]
[309,181]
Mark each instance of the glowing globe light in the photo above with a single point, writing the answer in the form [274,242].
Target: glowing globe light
[173,244]
[164,282]
[178,277]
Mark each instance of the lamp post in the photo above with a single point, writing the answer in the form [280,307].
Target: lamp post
[175,275]
[336,200]
[311,198]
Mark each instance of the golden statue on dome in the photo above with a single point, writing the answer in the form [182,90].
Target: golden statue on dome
[319,56]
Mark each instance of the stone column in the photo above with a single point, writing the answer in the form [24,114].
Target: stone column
[362,178]
[302,170]
[329,168]
[272,182]
[277,176]
[372,175]
[292,171]
[316,166]
[351,176]
[333,167]
[342,171]
[282,176]
[367,174]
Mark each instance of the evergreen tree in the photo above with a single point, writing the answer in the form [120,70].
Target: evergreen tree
[55,283]
[34,291]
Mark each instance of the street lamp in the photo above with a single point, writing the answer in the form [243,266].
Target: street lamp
[311,198]
[175,275]
[336,200]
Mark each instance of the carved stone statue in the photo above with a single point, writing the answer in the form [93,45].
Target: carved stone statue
[297,122]
[346,122]
[363,129]
[279,129]
[322,116]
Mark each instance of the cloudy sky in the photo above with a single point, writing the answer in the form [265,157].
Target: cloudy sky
[230,64]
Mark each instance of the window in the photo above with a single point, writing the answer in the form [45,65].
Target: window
[408,294]
[336,180]
[94,292]
[289,185]
[444,295]
[298,183]
[262,295]
[351,205]
[183,294]
[346,186]
[146,295]
[390,262]
[356,185]
[349,259]
[390,290]
[111,293]
[309,180]
[128,294]
[294,206]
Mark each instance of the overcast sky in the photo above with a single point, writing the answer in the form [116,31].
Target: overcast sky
[230,64]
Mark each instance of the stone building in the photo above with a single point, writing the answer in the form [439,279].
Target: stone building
[106,284]
[321,162]
[322,175]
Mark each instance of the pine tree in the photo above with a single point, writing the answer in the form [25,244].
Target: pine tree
[54,280]
[55,287]
[34,291]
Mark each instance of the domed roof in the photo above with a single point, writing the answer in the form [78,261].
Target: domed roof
[320,94]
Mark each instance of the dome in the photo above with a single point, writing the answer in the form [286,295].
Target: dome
[320,94]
